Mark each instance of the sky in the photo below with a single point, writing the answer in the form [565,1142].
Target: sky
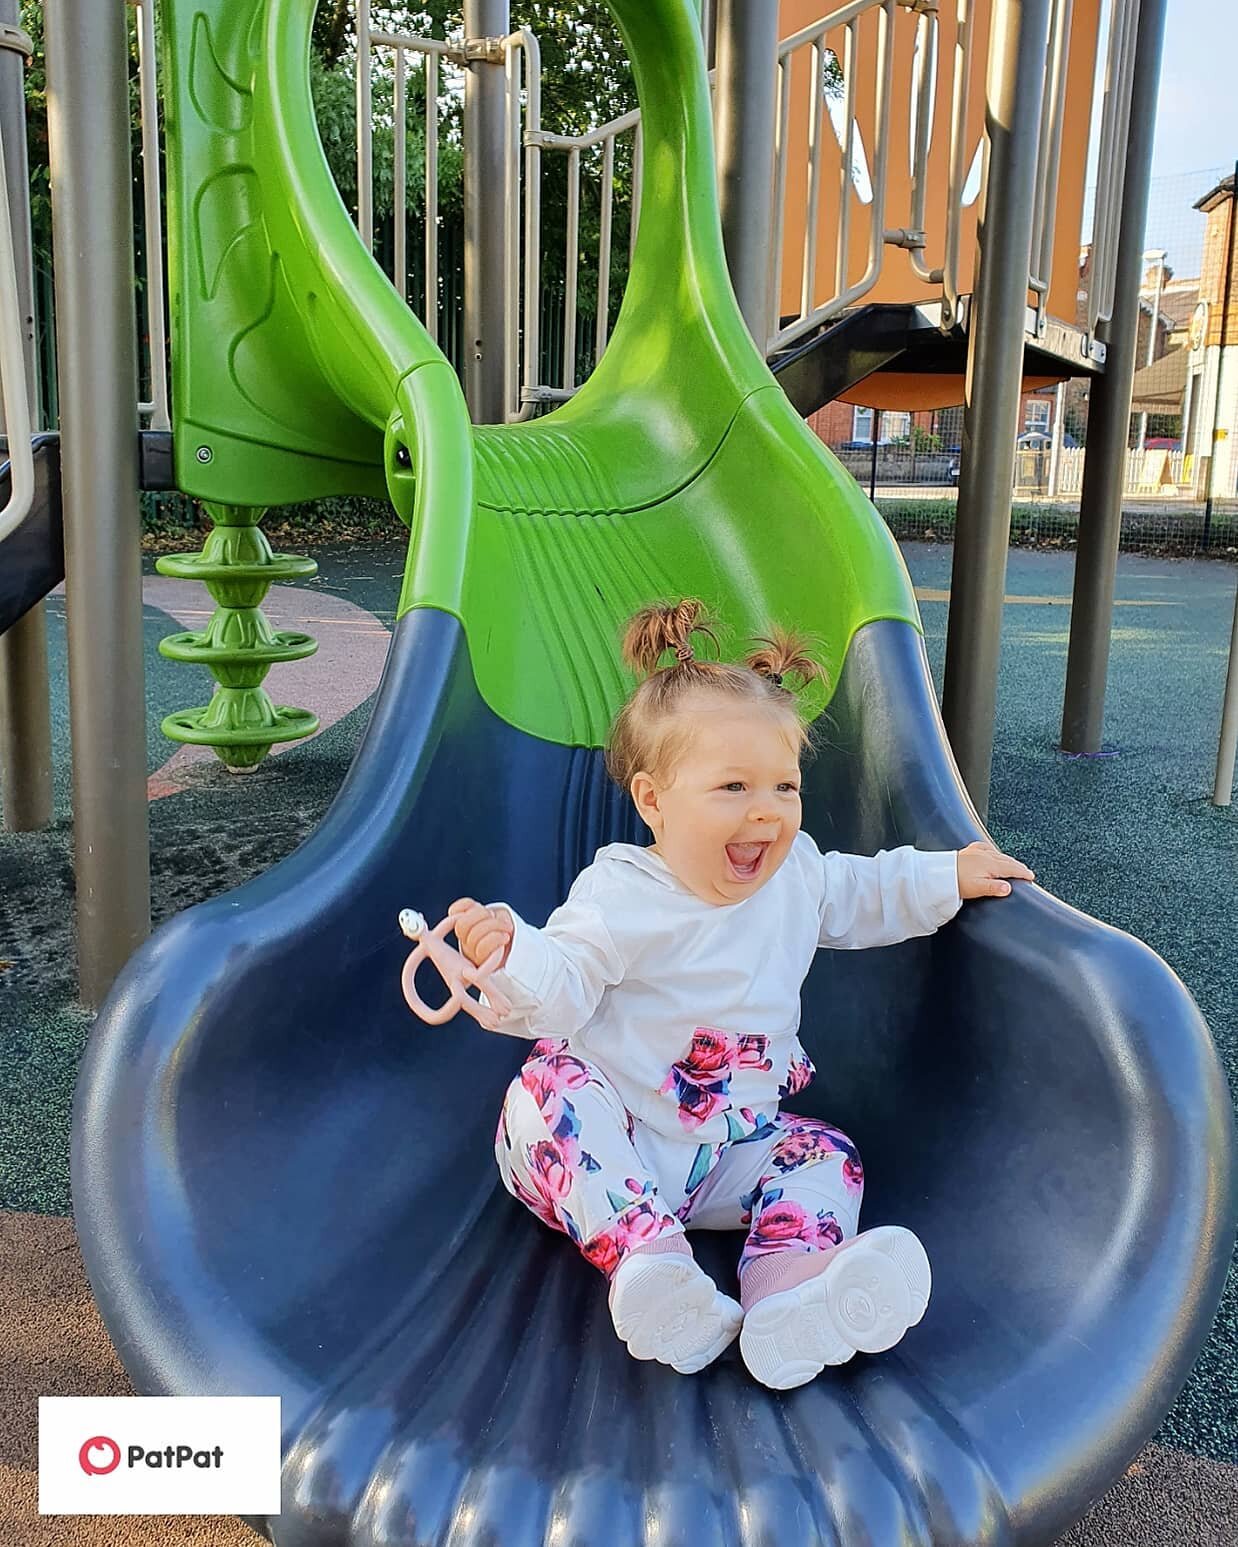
[1196,140]
[1196,117]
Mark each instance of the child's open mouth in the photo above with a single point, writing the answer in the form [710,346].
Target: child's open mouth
[746,859]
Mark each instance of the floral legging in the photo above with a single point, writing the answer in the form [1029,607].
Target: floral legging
[574,1155]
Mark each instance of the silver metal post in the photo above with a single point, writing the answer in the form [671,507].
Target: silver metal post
[365,121]
[152,220]
[1109,417]
[25,715]
[1149,354]
[994,384]
[431,231]
[746,46]
[400,178]
[1223,784]
[92,224]
[485,135]
[1059,431]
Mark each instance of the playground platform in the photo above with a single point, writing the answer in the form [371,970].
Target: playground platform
[1129,837]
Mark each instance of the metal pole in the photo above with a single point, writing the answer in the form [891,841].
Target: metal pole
[485,146]
[25,712]
[365,128]
[1059,431]
[872,472]
[92,224]
[746,48]
[994,385]
[1149,354]
[1223,784]
[1221,348]
[1109,418]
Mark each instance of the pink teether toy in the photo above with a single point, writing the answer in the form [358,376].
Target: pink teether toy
[456,973]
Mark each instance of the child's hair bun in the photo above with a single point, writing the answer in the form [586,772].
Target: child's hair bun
[784,651]
[661,627]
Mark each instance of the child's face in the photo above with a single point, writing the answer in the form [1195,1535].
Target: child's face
[728,817]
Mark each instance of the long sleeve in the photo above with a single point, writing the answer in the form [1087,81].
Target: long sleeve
[555,976]
[892,896]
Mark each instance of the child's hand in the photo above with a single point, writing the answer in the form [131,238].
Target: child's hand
[481,930]
[982,867]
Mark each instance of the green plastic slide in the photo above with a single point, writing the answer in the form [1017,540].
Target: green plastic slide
[678,468]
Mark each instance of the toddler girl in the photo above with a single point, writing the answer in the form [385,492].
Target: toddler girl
[663,998]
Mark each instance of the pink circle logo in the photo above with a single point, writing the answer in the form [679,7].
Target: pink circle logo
[99,1456]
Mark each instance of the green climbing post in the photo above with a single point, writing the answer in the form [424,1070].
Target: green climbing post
[238,645]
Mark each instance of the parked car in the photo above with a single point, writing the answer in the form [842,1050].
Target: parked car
[1162,443]
[1041,440]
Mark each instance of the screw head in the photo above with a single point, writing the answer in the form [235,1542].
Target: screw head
[205,453]
[402,457]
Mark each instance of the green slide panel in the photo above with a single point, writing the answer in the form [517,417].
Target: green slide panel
[678,468]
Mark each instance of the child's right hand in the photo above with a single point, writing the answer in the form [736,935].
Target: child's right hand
[480,931]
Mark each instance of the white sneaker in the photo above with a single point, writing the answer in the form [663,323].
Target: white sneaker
[666,1307]
[873,1288]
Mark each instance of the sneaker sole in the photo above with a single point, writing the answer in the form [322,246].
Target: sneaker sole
[863,1301]
[666,1308]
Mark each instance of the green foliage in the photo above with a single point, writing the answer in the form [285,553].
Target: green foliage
[31,19]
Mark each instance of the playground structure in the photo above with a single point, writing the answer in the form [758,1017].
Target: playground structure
[254,1061]
[854,274]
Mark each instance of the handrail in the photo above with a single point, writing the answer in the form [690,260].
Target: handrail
[152,218]
[952,69]
[813,36]
[1111,163]
[17,426]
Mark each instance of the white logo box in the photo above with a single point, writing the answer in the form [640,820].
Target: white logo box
[159,1455]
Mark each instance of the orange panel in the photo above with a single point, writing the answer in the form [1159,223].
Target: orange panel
[914,391]
[898,281]
[1076,124]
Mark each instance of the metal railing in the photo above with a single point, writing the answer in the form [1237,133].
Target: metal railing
[525,143]
[846,293]
[433,53]
[17,424]
[156,410]
[522,45]
[834,150]
[1111,165]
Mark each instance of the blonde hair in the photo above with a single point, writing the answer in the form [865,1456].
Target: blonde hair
[650,732]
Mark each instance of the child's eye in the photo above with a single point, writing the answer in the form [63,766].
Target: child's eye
[735,784]
[794,788]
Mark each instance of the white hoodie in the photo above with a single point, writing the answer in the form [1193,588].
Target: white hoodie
[690,1008]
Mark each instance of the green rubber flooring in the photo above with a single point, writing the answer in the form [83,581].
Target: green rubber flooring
[1129,837]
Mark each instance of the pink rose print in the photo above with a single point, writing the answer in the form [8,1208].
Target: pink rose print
[551,1170]
[544,1211]
[752,1053]
[547,1077]
[784,1225]
[799,1075]
[641,1223]
[829,1231]
[711,1052]
[806,1140]
[701,1081]
[603,1252]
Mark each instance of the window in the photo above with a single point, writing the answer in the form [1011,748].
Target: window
[1037,414]
[895,426]
[891,425]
